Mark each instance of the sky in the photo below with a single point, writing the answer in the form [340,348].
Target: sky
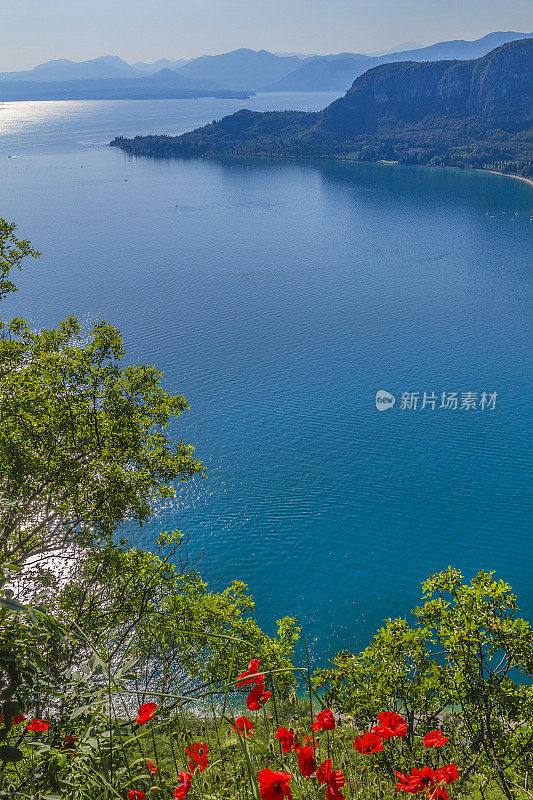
[33,31]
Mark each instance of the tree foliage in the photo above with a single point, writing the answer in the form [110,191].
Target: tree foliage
[469,660]
[12,252]
[83,442]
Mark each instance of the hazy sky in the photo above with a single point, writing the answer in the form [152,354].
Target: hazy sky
[32,31]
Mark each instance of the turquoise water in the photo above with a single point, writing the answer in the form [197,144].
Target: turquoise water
[279,297]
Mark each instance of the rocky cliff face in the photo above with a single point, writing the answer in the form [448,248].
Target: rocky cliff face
[475,113]
[497,89]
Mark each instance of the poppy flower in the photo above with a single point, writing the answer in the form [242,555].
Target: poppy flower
[368,743]
[257,698]
[145,713]
[324,771]
[243,725]
[435,739]
[245,680]
[152,767]
[422,780]
[449,773]
[38,726]
[334,780]
[286,738]
[197,754]
[335,784]
[324,721]
[403,782]
[306,761]
[69,743]
[16,720]
[183,786]
[134,794]
[390,725]
[274,785]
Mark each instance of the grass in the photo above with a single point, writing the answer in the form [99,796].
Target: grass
[234,762]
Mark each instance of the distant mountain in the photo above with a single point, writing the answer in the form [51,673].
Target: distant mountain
[64,70]
[163,84]
[320,74]
[324,74]
[162,63]
[303,56]
[459,49]
[400,48]
[476,113]
[261,70]
[241,69]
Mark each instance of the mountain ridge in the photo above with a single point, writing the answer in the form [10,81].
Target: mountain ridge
[323,72]
[446,113]
[262,70]
[165,84]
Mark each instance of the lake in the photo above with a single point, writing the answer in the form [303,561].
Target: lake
[280,297]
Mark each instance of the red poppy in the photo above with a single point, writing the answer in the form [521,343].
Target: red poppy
[197,754]
[420,780]
[245,680]
[243,725]
[449,773]
[38,726]
[286,738]
[334,780]
[403,781]
[306,761]
[274,785]
[145,713]
[257,698]
[183,786]
[390,725]
[16,720]
[324,771]
[435,739]
[134,794]
[368,743]
[151,766]
[69,743]
[335,784]
[324,720]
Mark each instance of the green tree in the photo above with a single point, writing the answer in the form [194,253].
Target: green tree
[467,664]
[12,252]
[155,608]
[83,444]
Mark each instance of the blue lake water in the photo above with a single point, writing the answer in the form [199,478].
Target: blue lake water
[279,297]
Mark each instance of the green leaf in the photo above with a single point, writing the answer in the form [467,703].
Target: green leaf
[13,605]
[11,708]
[10,754]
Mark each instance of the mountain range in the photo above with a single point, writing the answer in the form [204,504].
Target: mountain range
[474,113]
[251,70]
[337,73]
[164,84]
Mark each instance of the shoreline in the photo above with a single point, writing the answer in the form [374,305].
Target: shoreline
[319,158]
[505,175]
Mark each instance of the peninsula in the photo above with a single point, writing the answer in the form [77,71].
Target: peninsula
[476,114]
